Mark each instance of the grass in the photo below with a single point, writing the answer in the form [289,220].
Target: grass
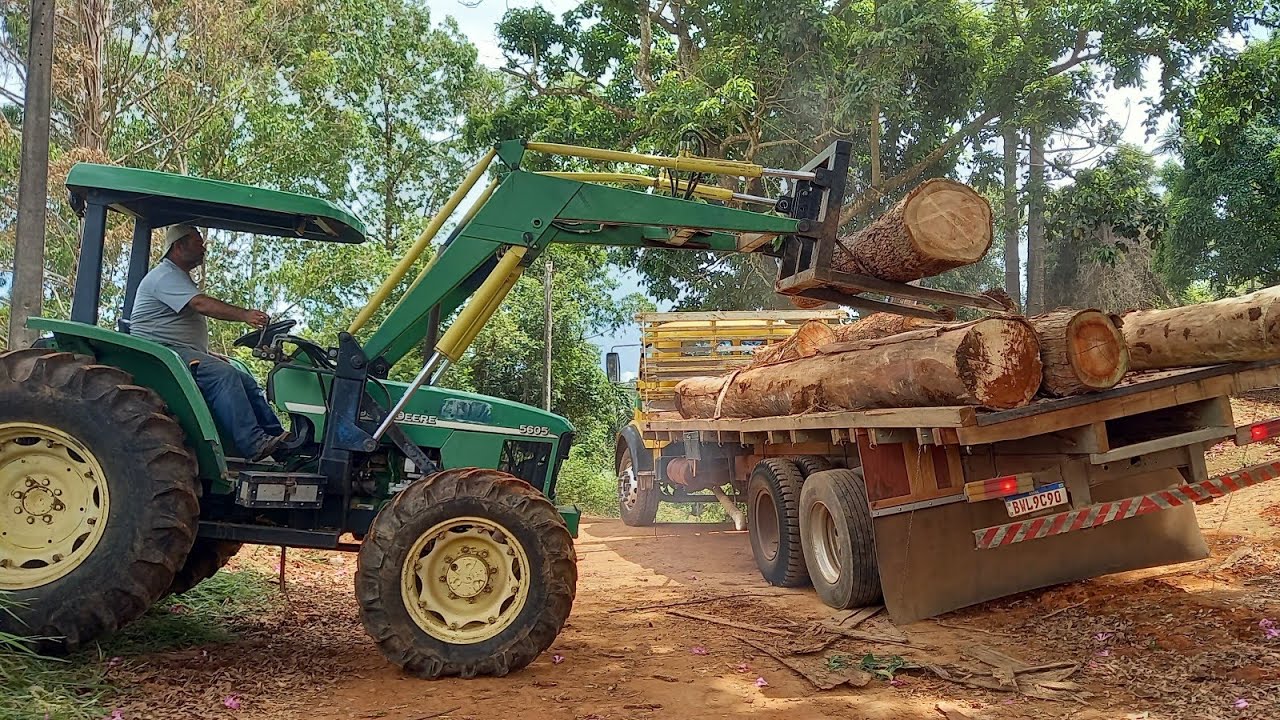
[78,687]
[204,615]
[37,687]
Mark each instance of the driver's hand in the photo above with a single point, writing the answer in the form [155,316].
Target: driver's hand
[257,318]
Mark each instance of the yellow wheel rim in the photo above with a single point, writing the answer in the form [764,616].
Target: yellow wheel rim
[465,580]
[53,501]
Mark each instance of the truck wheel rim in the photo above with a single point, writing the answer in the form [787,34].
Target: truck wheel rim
[465,580]
[628,486]
[823,537]
[54,503]
[764,519]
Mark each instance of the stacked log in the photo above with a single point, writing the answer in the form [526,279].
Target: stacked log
[803,343]
[992,363]
[1081,351]
[1240,329]
[879,325]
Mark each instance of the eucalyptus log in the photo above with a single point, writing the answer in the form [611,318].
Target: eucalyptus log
[880,325]
[993,363]
[938,226]
[1239,329]
[1080,350]
[804,342]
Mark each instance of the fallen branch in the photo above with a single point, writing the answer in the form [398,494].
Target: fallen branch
[824,681]
[861,615]
[678,603]
[727,623]
[868,637]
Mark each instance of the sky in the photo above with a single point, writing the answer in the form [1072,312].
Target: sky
[478,21]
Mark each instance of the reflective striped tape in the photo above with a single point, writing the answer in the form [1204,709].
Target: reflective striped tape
[1109,512]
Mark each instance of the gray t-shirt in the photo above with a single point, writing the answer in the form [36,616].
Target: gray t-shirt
[161,310]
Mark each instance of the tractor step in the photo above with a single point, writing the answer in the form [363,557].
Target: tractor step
[258,489]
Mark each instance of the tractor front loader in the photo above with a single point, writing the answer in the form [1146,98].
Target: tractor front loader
[116,487]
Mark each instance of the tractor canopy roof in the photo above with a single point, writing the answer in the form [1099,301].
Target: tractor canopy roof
[163,199]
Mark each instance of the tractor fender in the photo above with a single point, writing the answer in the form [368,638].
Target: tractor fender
[629,438]
[154,366]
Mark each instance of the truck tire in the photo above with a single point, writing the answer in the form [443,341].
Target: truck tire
[98,493]
[206,558]
[638,506]
[773,502]
[466,572]
[810,464]
[839,544]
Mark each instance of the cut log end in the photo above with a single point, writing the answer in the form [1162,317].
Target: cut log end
[947,222]
[1097,350]
[999,362]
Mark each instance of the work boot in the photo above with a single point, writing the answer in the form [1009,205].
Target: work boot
[264,452]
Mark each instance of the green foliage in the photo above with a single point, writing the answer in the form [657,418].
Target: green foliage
[1102,230]
[1224,199]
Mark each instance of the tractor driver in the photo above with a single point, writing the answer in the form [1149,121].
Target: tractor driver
[171,310]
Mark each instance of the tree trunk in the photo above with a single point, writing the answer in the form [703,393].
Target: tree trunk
[1080,350]
[1012,215]
[879,325]
[940,225]
[1035,225]
[803,343]
[1239,329]
[993,363]
[94,19]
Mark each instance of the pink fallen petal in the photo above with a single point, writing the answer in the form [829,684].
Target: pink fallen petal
[742,667]
[557,659]
[1240,704]
[232,702]
[698,650]
[117,714]
[896,683]
[761,682]
[1104,653]
[1103,636]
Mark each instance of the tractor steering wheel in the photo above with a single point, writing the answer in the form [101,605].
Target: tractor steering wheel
[266,336]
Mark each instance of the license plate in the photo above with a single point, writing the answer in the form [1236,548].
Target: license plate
[1042,499]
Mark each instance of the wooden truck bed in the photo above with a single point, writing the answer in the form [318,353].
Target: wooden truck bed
[965,425]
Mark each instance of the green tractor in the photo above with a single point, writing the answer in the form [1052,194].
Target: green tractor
[115,488]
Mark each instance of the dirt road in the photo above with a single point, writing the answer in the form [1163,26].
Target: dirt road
[1169,643]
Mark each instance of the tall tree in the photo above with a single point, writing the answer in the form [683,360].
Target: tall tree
[1224,200]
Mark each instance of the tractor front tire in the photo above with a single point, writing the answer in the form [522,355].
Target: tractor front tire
[466,572]
[98,495]
[206,558]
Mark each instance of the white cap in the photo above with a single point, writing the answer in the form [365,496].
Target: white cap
[173,234]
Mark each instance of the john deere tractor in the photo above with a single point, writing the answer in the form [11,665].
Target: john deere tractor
[116,488]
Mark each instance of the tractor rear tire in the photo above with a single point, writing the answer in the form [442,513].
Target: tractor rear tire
[838,539]
[466,572]
[638,506]
[98,493]
[773,522]
[206,558]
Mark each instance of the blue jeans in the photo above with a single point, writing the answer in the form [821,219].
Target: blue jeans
[240,408]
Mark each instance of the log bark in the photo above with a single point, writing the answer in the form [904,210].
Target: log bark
[803,343]
[879,325]
[940,225]
[1080,350]
[993,363]
[1240,329]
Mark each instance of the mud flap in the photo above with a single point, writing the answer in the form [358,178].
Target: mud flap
[929,564]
